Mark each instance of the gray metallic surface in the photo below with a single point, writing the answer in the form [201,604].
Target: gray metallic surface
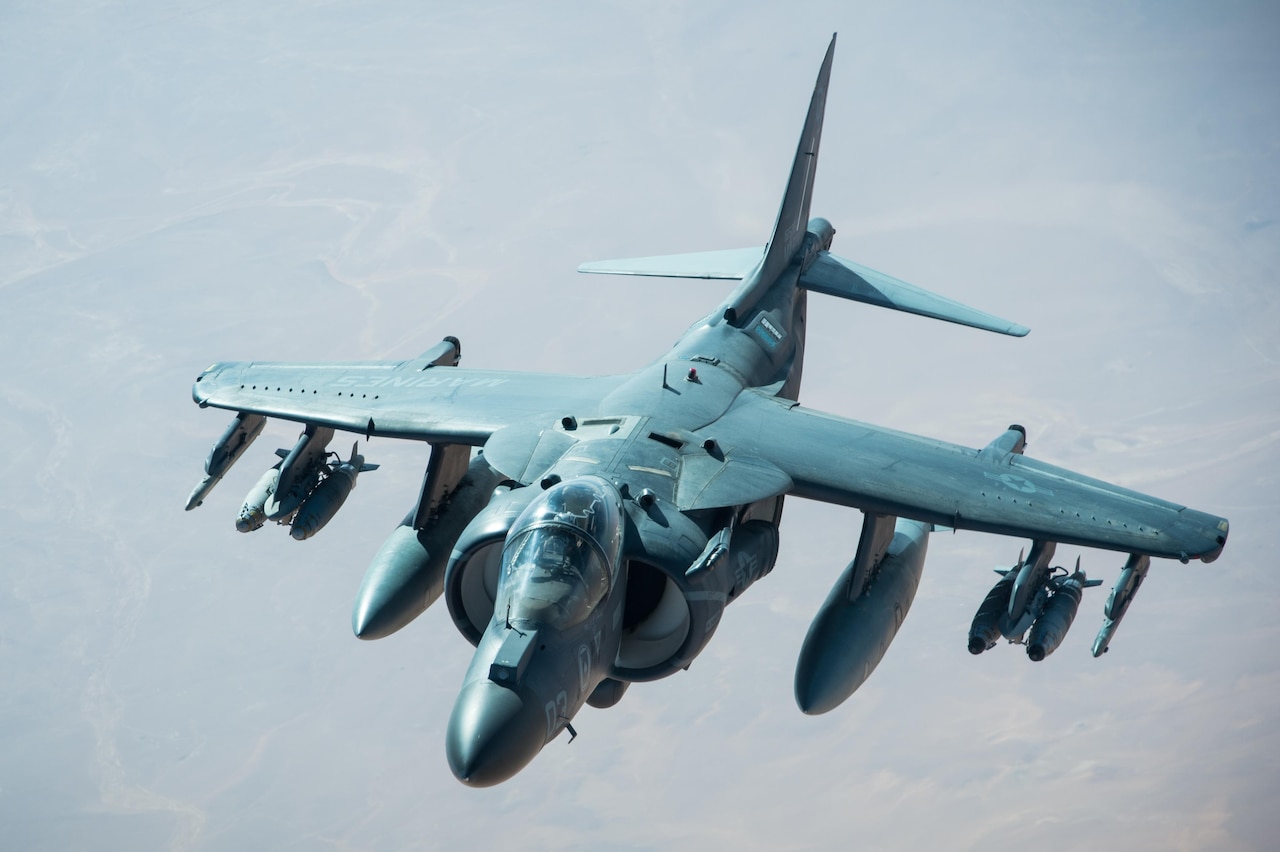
[699,449]
[300,472]
[253,512]
[1052,625]
[877,469]
[327,498]
[848,638]
[536,665]
[1028,578]
[240,433]
[1122,594]
[985,630]
[407,574]
[836,276]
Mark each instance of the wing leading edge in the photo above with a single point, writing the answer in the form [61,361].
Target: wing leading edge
[439,404]
[855,464]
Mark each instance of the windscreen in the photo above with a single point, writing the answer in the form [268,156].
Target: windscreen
[561,554]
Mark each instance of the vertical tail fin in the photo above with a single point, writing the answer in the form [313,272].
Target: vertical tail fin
[793,215]
[757,273]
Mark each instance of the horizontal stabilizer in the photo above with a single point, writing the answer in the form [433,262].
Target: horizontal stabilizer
[836,276]
[729,263]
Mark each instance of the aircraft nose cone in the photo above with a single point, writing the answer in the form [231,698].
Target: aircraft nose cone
[493,734]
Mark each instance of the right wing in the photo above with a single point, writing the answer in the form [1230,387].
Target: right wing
[448,405]
[855,464]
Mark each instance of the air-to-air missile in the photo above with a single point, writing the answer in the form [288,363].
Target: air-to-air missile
[319,507]
[862,613]
[230,447]
[1050,599]
[1131,577]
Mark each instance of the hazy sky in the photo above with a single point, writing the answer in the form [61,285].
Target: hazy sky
[182,183]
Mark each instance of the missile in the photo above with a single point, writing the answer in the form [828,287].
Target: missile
[253,513]
[1032,575]
[201,491]
[847,639]
[230,447]
[299,472]
[241,432]
[985,631]
[1131,577]
[324,502]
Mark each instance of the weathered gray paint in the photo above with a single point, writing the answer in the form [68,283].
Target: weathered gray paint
[701,447]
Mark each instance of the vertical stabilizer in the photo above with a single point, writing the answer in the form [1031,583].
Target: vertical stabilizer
[793,215]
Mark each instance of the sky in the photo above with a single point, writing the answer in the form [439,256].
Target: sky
[184,183]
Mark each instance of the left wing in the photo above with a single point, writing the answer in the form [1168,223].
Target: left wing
[726,264]
[855,464]
[393,399]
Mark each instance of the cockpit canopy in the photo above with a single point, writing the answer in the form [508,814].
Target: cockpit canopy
[561,555]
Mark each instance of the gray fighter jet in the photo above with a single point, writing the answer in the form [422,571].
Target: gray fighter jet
[587,533]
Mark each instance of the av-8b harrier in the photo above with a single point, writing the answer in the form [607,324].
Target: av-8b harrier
[587,533]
